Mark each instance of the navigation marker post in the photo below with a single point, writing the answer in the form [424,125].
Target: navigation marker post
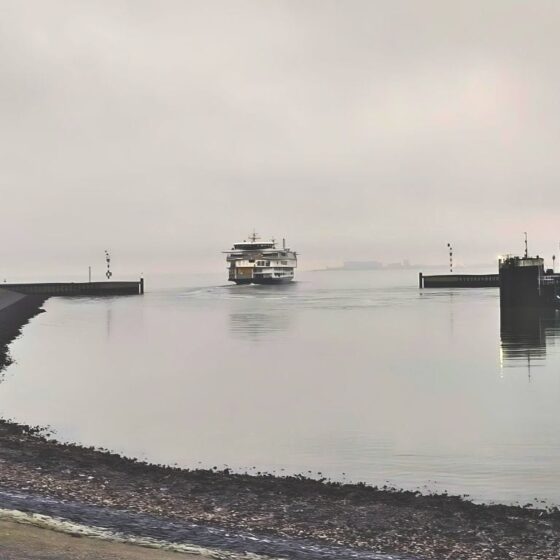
[108,274]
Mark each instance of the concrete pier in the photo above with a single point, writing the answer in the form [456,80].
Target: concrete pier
[15,310]
[77,288]
[526,283]
[459,281]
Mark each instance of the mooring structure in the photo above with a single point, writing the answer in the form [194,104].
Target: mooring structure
[525,282]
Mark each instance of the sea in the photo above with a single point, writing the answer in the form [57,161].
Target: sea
[352,376]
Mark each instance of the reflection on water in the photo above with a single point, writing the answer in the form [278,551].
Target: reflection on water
[255,326]
[267,314]
[109,319]
[525,333]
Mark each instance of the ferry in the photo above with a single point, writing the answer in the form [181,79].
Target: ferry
[258,262]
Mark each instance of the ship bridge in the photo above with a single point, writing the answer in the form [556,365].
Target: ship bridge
[253,246]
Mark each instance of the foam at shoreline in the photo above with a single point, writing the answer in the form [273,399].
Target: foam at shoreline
[80,530]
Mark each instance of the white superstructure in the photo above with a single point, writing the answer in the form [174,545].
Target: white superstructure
[258,262]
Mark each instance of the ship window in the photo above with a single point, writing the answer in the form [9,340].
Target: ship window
[284,262]
[267,263]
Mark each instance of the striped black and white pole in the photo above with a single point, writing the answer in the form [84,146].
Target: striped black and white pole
[108,261]
[450,257]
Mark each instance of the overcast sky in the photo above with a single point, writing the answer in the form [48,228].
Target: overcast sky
[166,130]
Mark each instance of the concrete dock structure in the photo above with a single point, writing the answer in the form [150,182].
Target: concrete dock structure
[20,302]
[459,281]
[524,282]
[15,310]
[50,289]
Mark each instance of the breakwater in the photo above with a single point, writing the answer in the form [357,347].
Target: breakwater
[15,311]
[20,302]
[459,281]
[50,289]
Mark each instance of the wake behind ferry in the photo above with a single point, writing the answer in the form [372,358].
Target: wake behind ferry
[258,262]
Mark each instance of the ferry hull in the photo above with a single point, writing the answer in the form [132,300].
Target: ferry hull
[271,280]
[263,281]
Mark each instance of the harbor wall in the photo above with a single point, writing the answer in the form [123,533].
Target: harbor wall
[20,302]
[459,281]
[8,298]
[15,311]
[77,288]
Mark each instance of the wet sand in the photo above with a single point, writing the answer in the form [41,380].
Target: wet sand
[20,541]
[289,517]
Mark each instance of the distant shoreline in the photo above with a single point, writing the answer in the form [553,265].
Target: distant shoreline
[284,515]
[412,268]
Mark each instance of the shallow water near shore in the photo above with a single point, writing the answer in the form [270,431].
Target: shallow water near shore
[357,376]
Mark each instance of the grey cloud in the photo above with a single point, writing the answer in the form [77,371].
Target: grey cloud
[375,130]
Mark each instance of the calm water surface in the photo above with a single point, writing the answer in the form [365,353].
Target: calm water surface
[356,375]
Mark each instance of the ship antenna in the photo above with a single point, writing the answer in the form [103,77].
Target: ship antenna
[526,246]
[253,237]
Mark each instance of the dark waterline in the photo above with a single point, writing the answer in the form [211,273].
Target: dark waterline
[358,376]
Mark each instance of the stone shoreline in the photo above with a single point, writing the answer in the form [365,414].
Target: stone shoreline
[352,515]
[355,516]
[12,318]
